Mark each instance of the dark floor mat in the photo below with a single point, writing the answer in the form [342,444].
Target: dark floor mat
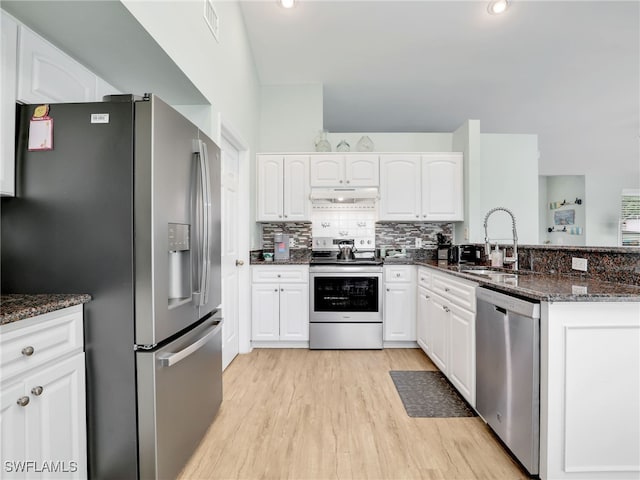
[429,394]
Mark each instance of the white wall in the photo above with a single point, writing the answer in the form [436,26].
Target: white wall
[290,117]
[606,172]
[560,188]
[224,70]
[466,139]
[508,178]
[396,142]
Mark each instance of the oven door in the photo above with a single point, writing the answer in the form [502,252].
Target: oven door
[345,294]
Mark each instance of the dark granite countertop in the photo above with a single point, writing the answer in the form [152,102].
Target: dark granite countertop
[15,307]
[538,286]
[550,287]
[297,257]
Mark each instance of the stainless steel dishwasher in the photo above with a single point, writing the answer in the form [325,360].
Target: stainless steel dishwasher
[508,372]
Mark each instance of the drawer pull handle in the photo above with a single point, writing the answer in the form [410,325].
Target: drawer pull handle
[37,391]
[23,401]
[279,275]
[276,290]
[446,289]
[282,289]
[388,290]
[397,274]
[28,351]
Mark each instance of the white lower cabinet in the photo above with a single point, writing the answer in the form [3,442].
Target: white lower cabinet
[446,330]
[462,344]
[280,305]
[399,304]
[42,404]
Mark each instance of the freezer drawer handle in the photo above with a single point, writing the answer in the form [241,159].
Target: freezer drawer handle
[170,359]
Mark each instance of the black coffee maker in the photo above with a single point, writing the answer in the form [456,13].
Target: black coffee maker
[444,245]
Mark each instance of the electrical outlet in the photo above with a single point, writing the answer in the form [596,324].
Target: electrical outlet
[418,242]
[292,242]
[466,233]
[579,264]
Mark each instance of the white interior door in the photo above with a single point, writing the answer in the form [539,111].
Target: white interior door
[230,253]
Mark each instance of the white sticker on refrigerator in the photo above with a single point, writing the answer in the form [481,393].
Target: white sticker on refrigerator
[99,118]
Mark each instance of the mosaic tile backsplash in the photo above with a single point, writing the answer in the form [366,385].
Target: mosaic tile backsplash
[404,234]
[299,231]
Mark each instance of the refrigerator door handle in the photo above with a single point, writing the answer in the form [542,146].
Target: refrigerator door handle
[170,359]
[202,293]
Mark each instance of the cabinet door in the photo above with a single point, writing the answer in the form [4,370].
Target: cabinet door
[400,187]
[422,332]
[265,307]
[270,170]
[438,328]
[362,170]
[56,428]
[13,440]
[47,75]
[296,188]
[294,311]
[8,56]
[327,171]
[400,312]
[462,348]
[442,187]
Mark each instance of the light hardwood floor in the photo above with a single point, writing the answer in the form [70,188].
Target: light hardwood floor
[323,414]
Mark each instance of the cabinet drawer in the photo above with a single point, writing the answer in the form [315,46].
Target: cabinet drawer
[280,274]
[48,336]
[424,277]
[458,292]
[399,273]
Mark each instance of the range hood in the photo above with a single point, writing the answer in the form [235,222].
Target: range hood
[344,195]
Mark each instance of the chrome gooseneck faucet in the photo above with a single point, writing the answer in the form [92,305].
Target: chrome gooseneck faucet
[487,248]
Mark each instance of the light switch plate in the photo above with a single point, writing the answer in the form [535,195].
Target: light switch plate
[292,242]
[579,264]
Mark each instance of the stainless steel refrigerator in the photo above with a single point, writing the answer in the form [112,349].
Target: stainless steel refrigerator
[126,207]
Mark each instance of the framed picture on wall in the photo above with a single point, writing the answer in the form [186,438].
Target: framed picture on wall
[564,217]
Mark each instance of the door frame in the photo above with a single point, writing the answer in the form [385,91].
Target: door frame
[244,278]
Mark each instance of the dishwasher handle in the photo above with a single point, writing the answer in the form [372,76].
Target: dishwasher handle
[170,359]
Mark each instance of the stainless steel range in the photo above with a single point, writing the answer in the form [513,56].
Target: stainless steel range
[345,296]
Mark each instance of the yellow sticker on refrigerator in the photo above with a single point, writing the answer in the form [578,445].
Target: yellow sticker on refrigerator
[41,129]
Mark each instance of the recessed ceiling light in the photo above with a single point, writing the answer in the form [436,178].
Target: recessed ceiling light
[287,3]
[496,7]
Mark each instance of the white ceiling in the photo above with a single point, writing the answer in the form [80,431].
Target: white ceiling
[546,67]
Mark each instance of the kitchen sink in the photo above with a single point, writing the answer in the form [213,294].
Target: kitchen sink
[480,271]
[495,275]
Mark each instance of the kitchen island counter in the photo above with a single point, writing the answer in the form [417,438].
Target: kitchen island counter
[549,287]
[15,307]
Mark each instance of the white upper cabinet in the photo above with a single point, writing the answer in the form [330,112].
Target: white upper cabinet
[327,170]
[47,75]
[442,187]
[283,188]
[421,187]
[344,170]
[270,186]
[400,187]
[8,55]
[296,188]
